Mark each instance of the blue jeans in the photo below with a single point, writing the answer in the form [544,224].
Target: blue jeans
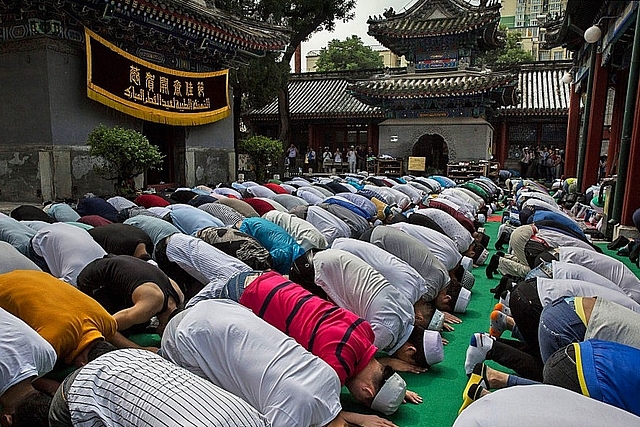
[559,327]
[543,270]
[235,286]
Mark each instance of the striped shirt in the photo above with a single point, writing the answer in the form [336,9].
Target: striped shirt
[136,388]
[336,335]
[203,262]
[226,214]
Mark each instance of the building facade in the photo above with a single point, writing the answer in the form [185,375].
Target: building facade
[159,67]
[527,18]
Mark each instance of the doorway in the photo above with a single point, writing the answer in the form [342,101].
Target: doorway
[171,142]
[435,151]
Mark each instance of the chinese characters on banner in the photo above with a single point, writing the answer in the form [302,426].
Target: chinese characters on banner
[151,92]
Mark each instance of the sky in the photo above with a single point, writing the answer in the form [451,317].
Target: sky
[358,25]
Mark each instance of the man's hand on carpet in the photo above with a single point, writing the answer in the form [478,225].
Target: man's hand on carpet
[412,397]
[402,366]
[450,318]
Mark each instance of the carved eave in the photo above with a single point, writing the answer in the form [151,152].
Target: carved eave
[566,31]
[499,87]
[186,31]
[437,18]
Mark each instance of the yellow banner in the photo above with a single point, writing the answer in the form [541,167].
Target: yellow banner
[151,92]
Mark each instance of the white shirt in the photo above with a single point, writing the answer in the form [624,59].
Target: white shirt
[356,286]
[456,232]
[413,193]
[417,255]
[542,406]
[606,266]
[397,272]
[555,239]
[66,249]
[236,350]
[441,246]
[261,191]
[327,223]
[133,387]
[565,270]
[25,354]
[120,203]
[309,195]
[551,289]
[305,234]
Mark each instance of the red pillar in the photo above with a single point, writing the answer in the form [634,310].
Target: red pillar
[616,122]
[298,59]
[596,123]
[631,200]
[573,132]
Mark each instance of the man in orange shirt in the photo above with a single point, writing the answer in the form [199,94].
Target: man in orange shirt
[72,322]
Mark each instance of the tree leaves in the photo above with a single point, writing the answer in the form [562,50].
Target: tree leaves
[350,54]
[124,154]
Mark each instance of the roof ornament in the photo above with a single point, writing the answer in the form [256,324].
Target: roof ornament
[388,13]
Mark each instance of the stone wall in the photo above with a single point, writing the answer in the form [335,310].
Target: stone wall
[466,138]
[46,116]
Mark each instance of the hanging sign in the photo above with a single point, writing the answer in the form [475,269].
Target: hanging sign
[151,92]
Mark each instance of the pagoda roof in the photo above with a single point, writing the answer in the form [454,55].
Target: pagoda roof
[199,29]
[433,85]
[326,95]
[541,90]
[432,18]
[319,96]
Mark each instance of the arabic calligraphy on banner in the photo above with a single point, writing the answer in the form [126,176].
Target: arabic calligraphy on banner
[151,92]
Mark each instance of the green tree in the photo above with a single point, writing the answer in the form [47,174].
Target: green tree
[262,151]
[124,154]
[508,56]
[350,54]
[303,17]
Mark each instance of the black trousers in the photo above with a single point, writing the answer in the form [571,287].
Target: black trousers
[561,369]
[523,357]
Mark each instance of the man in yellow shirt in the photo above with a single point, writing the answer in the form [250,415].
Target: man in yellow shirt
[72,322]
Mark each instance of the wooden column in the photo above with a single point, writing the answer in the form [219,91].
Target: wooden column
[503,144]
[616,122]
[596,123]
[372,136]
[573,132]
[631,200]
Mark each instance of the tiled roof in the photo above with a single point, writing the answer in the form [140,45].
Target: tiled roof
[421,86]
[319,97]
[541,91]
[434,18]
[183,19]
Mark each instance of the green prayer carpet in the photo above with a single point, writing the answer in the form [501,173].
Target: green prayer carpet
[441,387]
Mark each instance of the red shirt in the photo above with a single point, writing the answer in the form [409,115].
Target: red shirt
[150,201]
[336,335]
[276,188]
[260,206]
